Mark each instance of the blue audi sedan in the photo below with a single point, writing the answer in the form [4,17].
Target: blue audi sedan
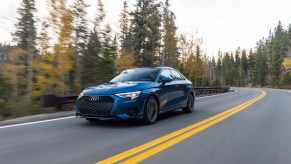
[140,93]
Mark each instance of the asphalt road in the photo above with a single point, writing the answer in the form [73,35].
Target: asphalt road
[259,134]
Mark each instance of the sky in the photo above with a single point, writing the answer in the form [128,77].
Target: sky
[222,24]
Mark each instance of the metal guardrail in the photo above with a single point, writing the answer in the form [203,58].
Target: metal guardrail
[59,100]
[210,90]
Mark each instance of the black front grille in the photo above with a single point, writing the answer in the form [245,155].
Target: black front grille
[100,106]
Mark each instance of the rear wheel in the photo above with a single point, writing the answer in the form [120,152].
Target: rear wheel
[92,119]
[151,111]
[190,104]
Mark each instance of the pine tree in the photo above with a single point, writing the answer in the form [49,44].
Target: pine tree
[91,60]
[260,65]
[268,52]
[4,48]
[211,72]
[289,41]
[125,33]
[81,39]
[109,54]
[219,69]
[146,35]
[237,68]
[170,52]
[228,69]
[278,53]
[99,18]
[126,59]
[244,66]
[199,67]
[251,64]
[25,37]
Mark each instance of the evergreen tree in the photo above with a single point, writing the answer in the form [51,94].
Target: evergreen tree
[146,37]
[199,69]
[81,39]
[25,37]
[251,64]
[90,61]
[279,52]
[228,69]
[211,72]
[289,40]
[99,18]
[170,52]
[268,52]
[25,34]
[4,96]
[109,55]
[4,48]
[237,68]
[260,65]
[244,67]
[125,33]
[98,63]
[126,59]
[219,69]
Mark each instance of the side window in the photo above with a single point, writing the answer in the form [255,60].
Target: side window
[165,73]
[176,75]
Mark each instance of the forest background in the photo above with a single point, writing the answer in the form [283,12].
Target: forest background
[69,53]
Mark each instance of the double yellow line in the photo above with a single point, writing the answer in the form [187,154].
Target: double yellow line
[146,150]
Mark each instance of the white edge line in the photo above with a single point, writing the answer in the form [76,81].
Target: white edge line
[217,95]
[64,118]
[36,122]
[284,90]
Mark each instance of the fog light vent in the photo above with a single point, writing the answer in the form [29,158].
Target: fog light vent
[131,112]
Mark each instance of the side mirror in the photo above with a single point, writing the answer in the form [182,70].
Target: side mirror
[166,79]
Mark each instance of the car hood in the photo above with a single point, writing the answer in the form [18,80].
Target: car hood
[117,87]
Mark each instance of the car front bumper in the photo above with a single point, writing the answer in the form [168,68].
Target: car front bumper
[122,108]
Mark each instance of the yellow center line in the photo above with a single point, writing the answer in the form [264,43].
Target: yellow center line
[173,138]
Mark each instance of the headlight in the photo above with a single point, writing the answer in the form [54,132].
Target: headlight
[129,95]
[81,94]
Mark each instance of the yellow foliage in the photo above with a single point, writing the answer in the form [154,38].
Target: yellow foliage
[64,50]
[55,63]
[15,70]
[287,63]
[195,68]
[125,61]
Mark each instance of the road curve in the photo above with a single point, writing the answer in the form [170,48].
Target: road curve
[261,133]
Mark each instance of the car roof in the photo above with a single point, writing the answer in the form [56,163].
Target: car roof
[160,67]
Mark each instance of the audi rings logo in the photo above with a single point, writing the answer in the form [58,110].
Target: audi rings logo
[93,98]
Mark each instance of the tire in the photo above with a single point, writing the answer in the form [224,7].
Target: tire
[92,119]
[190,104]
[151,111]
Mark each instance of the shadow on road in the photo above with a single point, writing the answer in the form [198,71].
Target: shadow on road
[114,123]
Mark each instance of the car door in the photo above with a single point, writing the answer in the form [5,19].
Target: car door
[166,91]
[180,92]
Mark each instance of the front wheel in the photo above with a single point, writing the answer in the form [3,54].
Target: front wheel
[190,104]
[151,111]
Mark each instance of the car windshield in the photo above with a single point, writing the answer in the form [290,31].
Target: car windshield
[144,74]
